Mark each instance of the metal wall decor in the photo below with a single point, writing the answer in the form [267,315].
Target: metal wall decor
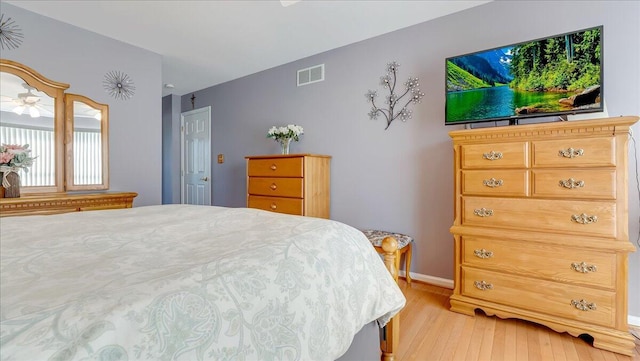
[10,33]
[389,81]
[119,85]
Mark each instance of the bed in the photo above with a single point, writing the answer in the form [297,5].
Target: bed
[182,282]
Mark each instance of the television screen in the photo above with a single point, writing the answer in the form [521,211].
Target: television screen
[557,75]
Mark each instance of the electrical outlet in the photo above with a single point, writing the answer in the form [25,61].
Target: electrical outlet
[220,158]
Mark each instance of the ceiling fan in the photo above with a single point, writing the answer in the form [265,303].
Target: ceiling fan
[28,101]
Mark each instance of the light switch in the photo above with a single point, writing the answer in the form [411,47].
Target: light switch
[220,158]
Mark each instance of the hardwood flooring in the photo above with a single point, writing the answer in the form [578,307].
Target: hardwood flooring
[430,332]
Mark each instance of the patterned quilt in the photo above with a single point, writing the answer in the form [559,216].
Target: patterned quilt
[181,282]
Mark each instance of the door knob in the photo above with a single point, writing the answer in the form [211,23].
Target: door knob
[204,179]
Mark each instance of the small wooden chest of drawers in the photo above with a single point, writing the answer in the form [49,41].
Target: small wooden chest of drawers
[541,226]
[296,184]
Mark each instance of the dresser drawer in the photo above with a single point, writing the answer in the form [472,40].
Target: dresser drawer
[585,152]
[575,183]
[276,204]
[498,182]
[500,155]
[280,187]
[574,217]
[548,297]
[541,260]
[275,167]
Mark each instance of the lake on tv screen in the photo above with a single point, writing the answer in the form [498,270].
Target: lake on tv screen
[498,102]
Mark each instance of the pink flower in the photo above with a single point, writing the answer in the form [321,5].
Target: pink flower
[13,146]
[5,158]
[17,151]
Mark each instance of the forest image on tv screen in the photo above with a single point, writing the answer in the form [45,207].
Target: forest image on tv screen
[548,76]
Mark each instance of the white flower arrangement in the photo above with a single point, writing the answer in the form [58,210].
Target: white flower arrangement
[290,131]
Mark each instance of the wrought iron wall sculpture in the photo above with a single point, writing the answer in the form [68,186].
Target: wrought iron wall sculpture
[393,99]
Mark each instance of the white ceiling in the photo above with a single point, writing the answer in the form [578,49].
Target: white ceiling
[204,43]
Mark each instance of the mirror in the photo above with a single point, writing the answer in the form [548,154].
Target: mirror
[87,135]
[32,112]
[67,133]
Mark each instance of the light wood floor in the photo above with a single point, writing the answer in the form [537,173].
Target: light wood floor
[430,332]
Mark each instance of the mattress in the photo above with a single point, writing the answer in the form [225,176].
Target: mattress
[183,282]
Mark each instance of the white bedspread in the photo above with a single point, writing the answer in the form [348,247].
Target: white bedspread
[179,282]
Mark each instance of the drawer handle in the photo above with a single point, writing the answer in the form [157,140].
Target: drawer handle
[483,253]
[493,183]
[483,212]
[583,267]
[583,305]
[571,183]
[273,206]
[570,153]
[482,285]
[584,218]
[273,186]
[492,155]
[273,167]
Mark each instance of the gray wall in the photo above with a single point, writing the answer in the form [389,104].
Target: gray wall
[171,149]
[401,179]
[68,54]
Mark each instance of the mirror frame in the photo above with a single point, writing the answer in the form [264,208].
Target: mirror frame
[69,100]
[56,91]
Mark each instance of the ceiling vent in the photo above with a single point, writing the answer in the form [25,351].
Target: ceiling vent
[310,75]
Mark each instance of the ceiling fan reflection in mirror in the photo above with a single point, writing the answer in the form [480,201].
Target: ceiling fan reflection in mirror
[28,102]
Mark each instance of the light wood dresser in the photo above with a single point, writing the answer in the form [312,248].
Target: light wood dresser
[541,226]
[64,203]
[296,184]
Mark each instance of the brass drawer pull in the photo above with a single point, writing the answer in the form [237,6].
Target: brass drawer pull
[273,167]
[273,186]
[583,267]
[584,218]
[483,253]
[492,183]
[583,305]
[273,206]
[492,155]
[482,285]
[483,212]
[570,153]
[571,183]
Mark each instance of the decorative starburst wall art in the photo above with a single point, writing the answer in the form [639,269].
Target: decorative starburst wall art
[119,85]
[10,33]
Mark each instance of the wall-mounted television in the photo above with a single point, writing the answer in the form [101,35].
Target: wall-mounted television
[553,76]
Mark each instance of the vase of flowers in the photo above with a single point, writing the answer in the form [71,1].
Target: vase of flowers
[13,158]
[284,135]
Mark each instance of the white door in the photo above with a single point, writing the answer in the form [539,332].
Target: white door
[196,156]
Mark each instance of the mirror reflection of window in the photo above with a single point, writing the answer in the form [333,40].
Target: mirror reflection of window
[87,144]
[27,117]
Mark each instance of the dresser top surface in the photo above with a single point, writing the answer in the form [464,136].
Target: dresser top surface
[65,196]
[263,156]
[567,128]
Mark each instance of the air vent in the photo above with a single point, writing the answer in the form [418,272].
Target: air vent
[310,75]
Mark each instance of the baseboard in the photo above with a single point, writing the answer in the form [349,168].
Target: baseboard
[432,280]
[443,282]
